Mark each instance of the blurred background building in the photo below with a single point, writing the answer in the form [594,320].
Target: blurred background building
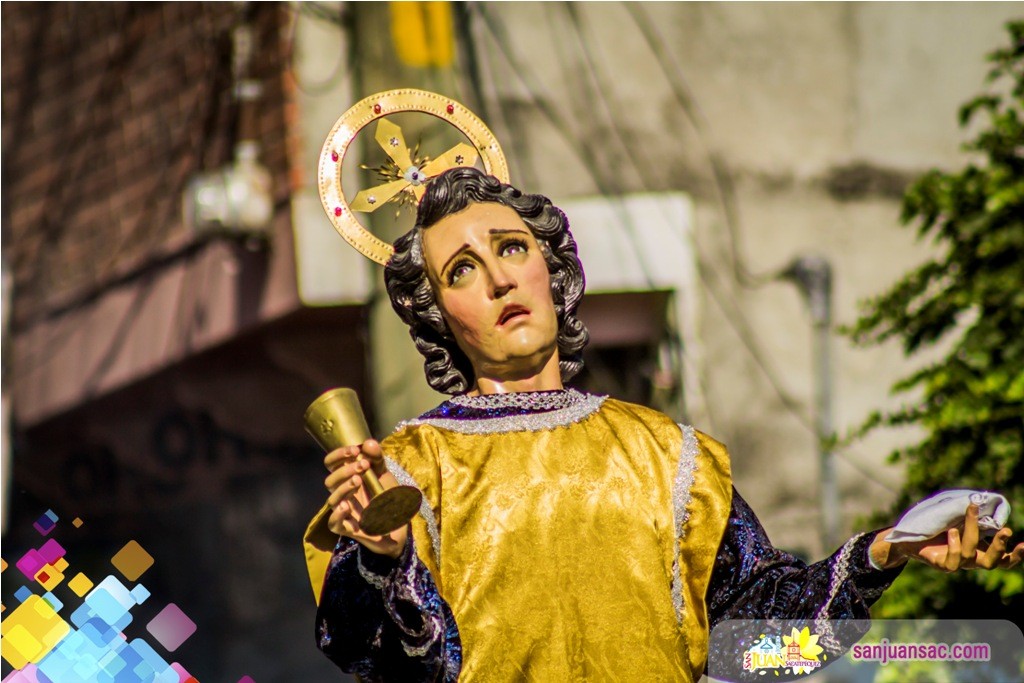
[175,297]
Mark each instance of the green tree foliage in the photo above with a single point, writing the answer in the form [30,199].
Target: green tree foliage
[970,301]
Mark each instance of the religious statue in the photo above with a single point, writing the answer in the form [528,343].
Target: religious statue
[562,536]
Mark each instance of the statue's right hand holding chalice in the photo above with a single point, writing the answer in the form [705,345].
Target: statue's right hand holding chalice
[348,495]
[366,502]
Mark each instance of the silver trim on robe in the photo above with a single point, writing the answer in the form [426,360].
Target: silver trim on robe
[580,407]
[681,494]
[427,512]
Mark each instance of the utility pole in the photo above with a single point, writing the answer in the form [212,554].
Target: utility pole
[813,276]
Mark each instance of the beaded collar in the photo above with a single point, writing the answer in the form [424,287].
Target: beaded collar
[518,411]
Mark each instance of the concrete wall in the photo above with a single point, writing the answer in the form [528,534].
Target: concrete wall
[819,113]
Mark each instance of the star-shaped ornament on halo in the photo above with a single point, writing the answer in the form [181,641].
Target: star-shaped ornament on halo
[405,172]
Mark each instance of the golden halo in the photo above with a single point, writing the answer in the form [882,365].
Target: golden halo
[376,107]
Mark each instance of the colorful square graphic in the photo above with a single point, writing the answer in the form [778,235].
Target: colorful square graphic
[90,647]
[80,584]
[30,632]
[30,563]
[148,664]
[183,674]
[26,675]
[140,593]
[132,560]
[46,522]
[77,522]
[78,658]
[53,601]
[49,577]
[171,627]
[106,605]
[52,551]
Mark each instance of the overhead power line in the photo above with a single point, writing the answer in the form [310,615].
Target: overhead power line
[726,190]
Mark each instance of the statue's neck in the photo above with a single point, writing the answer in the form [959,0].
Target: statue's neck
[548,378]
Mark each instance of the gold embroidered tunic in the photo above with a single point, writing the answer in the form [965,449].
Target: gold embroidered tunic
[566,537]
[572,544]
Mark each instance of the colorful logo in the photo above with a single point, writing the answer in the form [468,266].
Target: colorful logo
[48,641]
[796,653]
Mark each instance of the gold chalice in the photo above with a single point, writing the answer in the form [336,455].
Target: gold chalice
[335,420]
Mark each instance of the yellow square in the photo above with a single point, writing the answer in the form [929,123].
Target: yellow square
[61,564]
[80,585]
[19,646]
[132,560]
[77,522]
[30,631]
[3,564]
[49,577]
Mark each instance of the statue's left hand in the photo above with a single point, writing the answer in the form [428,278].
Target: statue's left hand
[955,549]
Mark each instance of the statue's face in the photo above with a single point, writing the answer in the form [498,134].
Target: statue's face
[492,285]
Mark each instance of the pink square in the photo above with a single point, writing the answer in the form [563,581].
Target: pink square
[171,627]
[26,675]
[30,564]
[52,551]
[183,675]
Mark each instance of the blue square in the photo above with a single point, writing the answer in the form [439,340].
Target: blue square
[56,665]
[81,615]
[46,522]
[69,662]
[104,605]
[111,664]
[150,656]
[168,675]
[23,593]
[122,623]
[98,632]
[140,593]
[132,661]
[85,666]
[54,602]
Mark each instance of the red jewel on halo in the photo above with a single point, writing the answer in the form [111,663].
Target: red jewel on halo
[376,109]
[334,156]
[451,108]
[337,211]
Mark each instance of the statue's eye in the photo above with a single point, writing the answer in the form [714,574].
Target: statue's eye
[458,271]
[511,247]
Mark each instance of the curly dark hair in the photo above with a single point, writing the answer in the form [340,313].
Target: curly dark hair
[448,369]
